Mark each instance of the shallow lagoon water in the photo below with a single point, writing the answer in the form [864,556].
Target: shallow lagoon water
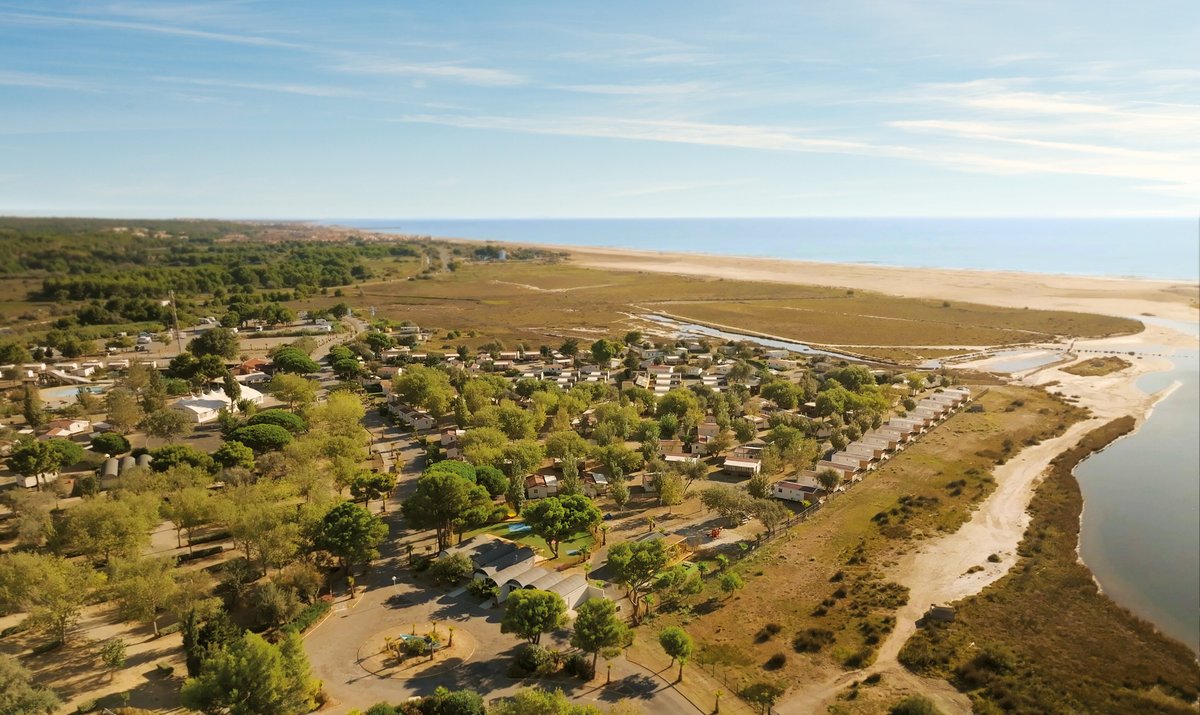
[1140,531]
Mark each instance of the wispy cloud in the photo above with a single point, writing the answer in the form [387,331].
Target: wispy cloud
[660,130]
[674,187]
[308,90]
[637,90]
[10,78]
[453,71]
[159,29]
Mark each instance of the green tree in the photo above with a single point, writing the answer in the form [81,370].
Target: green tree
[678,644]
[567,443]
[123,411]
[671,488]
[262,437]
[51,589]
[110,443]
[251,677]
[112,654]
[293,390]
[222,342]
[167,424]
[425,387]
[101,528]
[290,421]
[731,582]
[143,587]
[291,360]
[483,445]
[634,565]
[529,613]
[369,486]
[18,693]
[492,479]
[31,407]
[597,627]
[731,503]
[442,499]
[189,509]
[829,479]
[569,347]
[177,455]
[556,519]
[604,350]
[523,456]
[351,533]
[770,513]
[234,454]
[35,458]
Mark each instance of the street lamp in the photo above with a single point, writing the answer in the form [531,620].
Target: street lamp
[717,709]
[393,582]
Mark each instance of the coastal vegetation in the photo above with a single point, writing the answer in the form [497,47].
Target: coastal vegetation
[820,594]
[1043,638]
[1098,366]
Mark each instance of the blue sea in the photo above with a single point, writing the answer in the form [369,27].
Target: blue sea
[1162,248]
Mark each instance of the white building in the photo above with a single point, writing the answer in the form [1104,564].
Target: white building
[206,407]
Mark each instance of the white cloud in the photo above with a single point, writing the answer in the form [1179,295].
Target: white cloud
[64,21]
[280,87]
[43,81]
[466,74]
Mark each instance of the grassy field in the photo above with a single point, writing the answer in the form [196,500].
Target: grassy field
[818,599]
[1043,639]
[535,303]
[1099,366]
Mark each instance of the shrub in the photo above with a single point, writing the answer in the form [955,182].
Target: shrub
[209,538]
[483,589]
[308,617]
[580,666]
[812,640]
[199,554]
[533,660]
[164,669]
[275,605]
[914,705]
[86,706]
[451,569]
[775,662]
[994,558]
[767,632]
[168,630]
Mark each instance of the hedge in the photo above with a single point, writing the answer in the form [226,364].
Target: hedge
[308,617]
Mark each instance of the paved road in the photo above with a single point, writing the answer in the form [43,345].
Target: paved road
[333,648]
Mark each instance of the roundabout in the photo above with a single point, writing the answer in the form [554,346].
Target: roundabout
[416,650]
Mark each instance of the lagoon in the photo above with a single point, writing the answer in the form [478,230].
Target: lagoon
[1140,529]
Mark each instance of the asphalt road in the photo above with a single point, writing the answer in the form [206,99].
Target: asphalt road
[333,647]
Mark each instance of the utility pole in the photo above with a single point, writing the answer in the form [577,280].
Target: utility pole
[175,315]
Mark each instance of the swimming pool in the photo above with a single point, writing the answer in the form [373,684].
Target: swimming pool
[69,392]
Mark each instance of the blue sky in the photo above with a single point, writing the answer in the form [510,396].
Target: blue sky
[537,109]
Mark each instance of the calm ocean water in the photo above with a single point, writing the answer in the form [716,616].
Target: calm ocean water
[1166,248]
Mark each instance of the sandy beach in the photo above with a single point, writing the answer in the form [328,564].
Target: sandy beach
[1127,297]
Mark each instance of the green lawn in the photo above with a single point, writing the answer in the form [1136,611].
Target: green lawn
[578,543]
